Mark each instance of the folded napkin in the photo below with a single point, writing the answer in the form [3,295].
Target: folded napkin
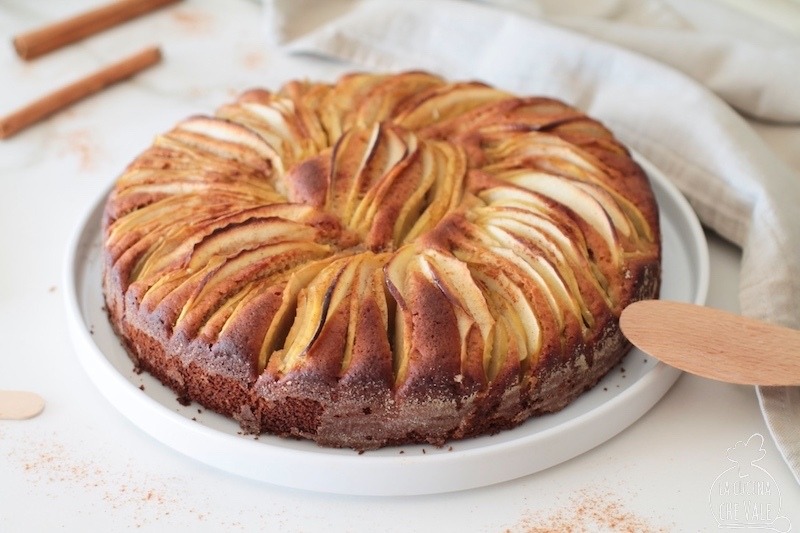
[676,106]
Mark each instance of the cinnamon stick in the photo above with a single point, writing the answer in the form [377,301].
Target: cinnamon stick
[37,42]
[55,101]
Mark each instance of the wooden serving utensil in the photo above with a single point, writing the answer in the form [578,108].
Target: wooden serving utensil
[714,344]
[19,405]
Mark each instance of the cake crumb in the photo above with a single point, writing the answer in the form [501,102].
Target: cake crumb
[141,387]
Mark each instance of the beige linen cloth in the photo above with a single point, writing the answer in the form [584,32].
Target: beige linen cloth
[674,79]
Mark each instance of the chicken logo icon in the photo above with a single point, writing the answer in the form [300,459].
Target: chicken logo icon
[745,495]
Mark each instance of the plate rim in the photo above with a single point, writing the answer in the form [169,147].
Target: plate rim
[410,474]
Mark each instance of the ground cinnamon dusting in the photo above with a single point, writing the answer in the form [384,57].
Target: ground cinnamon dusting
[81,145]
[138,497]
[588,511]
[254,59]
[191,21]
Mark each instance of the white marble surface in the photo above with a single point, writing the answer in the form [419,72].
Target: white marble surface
[80,466]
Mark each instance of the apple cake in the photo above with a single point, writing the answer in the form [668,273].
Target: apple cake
[382,260]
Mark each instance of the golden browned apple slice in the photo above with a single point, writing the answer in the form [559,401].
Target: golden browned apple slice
[413,195]
[567,247]
[504,116]
[131,247]
[206,173]
[350,155]
[152,217]
[510,301]
[385,98]
[592,214]
[325,344]
[305,98]
[420,178]
[511,344]
[239,193]
[323,303]
[431,368]
[235,273]
[144,224]
[225,140]
[388,146]
[444,102]
[337,108]
[517,230]
[276,335]
[475,321]
[186,162]
[548,153]
[582,245]
[164,297]
[226,311]
[395,273]
[251,233]
[312,307]
[367,350]
[376,215]
[445,194]
[564,190]
[292,130]
[541,151]
[443,326]
[232,231]
[532,299]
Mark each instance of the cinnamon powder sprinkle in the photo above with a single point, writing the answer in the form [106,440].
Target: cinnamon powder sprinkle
[254,60]
[192,22]
[81,145]
[144,498]
[588,511]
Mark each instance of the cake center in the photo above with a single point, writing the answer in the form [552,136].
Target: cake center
[382,182]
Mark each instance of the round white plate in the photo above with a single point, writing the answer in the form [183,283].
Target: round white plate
[624,395]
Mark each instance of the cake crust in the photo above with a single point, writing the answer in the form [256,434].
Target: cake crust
[387,259]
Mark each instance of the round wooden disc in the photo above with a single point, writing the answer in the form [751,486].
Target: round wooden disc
[19,405]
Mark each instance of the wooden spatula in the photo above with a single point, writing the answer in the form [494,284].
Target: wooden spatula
[714,344]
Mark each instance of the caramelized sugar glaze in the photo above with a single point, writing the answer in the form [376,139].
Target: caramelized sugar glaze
[386,259]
